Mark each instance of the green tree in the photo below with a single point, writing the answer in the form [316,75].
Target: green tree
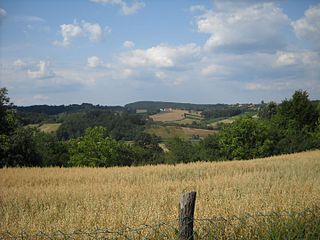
[268,110]
[22,149]
[96,150]
[298,112]
[148,149]
[210,148]
[182,151]
[7,120]
[52,151]
[246,138]
[7,125]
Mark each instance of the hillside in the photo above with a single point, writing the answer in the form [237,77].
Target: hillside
[156,105]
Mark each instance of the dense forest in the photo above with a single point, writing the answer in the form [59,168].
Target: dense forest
[93,135]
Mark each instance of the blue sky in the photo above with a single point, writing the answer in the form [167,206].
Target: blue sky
[112,52]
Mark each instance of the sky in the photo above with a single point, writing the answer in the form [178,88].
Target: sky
[112,52]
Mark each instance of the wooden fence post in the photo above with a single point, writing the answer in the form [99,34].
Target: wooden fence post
[186,215]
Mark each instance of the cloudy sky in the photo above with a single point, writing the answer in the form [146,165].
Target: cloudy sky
[112,52]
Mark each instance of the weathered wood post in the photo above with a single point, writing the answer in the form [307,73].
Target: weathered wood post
[186,215]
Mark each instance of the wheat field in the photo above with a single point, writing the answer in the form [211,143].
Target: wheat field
[66,199]
[174,115]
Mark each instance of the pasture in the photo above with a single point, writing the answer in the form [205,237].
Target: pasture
[46,127]
[67,199]
[167,132]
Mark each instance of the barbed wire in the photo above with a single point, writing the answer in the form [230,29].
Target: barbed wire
[271,225]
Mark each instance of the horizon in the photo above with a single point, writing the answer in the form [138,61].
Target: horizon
[112,53]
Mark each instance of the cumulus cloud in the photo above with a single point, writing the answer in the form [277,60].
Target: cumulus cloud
[161,56]
[257,26]
[287,58]
[93,30]
[43,71]
[308,27]
[71,31]
[93,62]
[125,8]
[19,64]
[128,44]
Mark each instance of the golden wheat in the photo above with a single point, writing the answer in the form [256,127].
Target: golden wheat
[66,199]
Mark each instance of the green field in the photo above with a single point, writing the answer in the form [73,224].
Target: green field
[167,132]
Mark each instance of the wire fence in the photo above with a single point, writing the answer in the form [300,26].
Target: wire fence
[273,225]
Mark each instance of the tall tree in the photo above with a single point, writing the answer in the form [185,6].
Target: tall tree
[7,121]
[298,112]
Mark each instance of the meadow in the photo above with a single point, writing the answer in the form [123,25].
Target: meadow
[67,199]
[167,132]
[46,127]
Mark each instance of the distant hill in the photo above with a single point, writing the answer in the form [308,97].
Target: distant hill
[153,106]
[54,109]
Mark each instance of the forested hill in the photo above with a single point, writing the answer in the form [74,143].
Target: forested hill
[156,105]
[54,109]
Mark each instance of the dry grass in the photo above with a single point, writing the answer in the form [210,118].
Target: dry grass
[46,127]
[174,115]
[49,199]
[49,127]
[177,116]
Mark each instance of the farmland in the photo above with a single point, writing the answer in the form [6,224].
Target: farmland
[167,132]
[46,127]
[176,115]
[67,199]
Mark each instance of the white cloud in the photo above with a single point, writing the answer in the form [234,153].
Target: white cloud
[161,75]
[94,62]
[29,18]
[282,85]
[160,56]
[3,13]
[198,8]
[125,8]
[307,58]
[178,81]
[211,69]
[128,44]
[308,27]
[44,71]
[71,31]
[94,31]
[19,64]
[246,27]
[40,97]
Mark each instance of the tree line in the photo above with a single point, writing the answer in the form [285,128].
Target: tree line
[104,137]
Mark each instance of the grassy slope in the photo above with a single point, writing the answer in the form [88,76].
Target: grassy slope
[166,132]
[85,198]
[46,127]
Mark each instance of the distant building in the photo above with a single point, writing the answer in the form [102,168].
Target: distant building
[141,111]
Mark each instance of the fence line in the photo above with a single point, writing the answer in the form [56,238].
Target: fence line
[272,225]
